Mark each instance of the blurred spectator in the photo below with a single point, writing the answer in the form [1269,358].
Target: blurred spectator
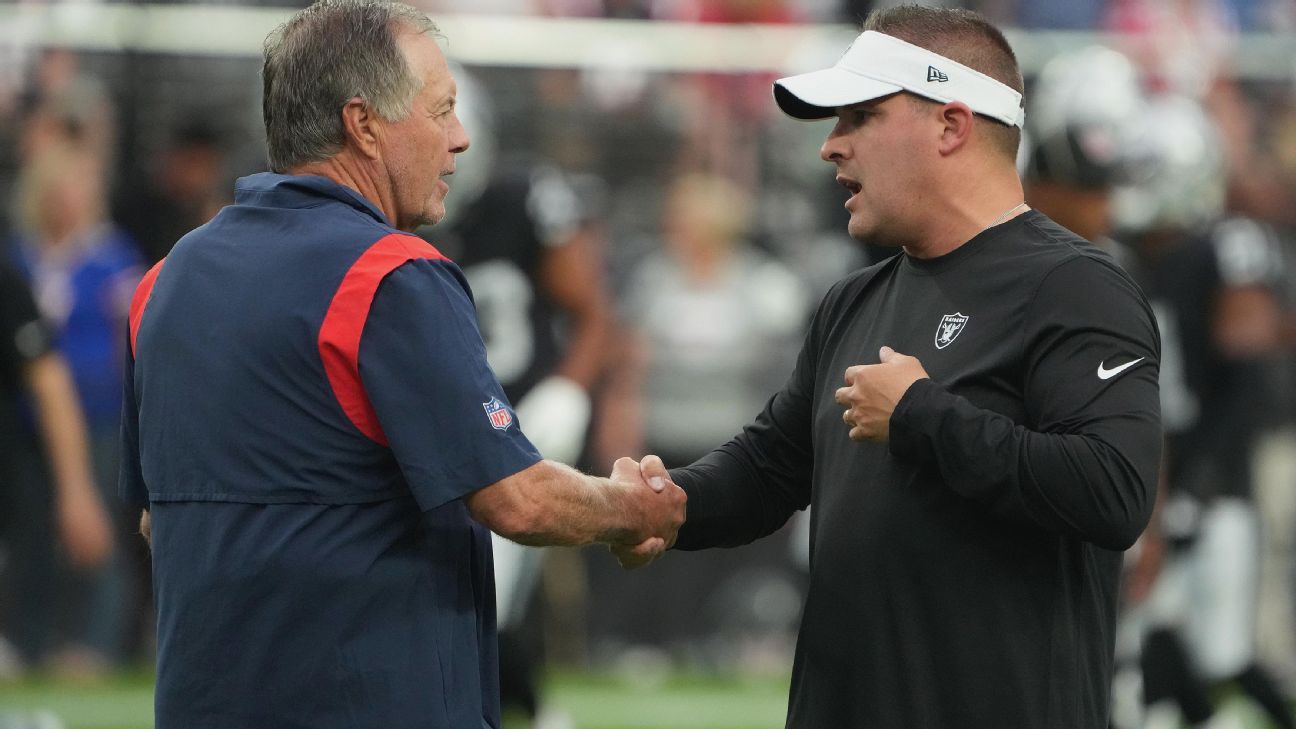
[1211,282]
[1180,44]
[724,113]
[716,325]
[83,271]
[718,321]
[66,106]
[59,105]
[185,188]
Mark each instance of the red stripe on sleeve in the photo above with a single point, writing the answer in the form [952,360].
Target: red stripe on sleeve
[339,337]
[140,300]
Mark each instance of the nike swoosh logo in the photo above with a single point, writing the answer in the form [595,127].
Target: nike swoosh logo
[1107,374]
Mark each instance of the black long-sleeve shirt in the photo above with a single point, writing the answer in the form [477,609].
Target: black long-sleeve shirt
[963,575]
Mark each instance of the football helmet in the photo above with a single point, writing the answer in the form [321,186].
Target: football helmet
[1178,175]
[1080,109]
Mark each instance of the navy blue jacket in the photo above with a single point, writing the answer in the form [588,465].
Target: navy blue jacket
[307,401]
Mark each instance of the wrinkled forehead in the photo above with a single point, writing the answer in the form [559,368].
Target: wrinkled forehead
[423,54]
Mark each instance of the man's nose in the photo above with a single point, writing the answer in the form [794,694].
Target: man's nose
[830,150]
[459,137]
[834,146]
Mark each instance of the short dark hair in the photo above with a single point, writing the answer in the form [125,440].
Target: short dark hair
[325,55]
[964,36]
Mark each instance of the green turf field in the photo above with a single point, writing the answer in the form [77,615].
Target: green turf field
[593,702]
[681,701]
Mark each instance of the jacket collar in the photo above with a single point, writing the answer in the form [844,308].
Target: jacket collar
[270,189]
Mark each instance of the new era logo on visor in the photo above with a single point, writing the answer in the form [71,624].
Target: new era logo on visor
[935,74]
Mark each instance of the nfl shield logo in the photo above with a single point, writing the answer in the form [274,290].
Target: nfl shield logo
[951,325]
[498,414]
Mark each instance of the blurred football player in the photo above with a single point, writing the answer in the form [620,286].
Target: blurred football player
[1073,151]
[533,256]
[1211,280]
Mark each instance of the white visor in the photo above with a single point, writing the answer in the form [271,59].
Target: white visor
[878,65]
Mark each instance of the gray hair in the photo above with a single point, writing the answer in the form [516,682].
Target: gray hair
[324,56]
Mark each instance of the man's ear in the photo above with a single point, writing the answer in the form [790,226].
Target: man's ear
[957,121]
[361,127]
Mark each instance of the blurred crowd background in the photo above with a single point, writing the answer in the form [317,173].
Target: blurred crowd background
[681,233]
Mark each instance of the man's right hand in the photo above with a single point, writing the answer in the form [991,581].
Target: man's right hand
[664,508]
[550,504]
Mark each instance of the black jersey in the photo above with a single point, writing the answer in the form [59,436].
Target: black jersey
[1210,402]
[499,241]
[24,336]
[965,574]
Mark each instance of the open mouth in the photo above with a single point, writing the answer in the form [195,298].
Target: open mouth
[851,185]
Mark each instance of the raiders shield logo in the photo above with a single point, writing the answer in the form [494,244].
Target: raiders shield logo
[951,325]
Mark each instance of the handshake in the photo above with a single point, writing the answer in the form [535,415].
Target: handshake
[636,511]
[655,510]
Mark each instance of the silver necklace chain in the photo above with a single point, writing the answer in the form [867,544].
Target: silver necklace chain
[1005,215]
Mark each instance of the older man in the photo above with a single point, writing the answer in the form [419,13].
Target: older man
[969,513]
[311,425]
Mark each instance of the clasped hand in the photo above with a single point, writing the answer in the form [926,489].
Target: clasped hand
[873,391]
[659,510]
